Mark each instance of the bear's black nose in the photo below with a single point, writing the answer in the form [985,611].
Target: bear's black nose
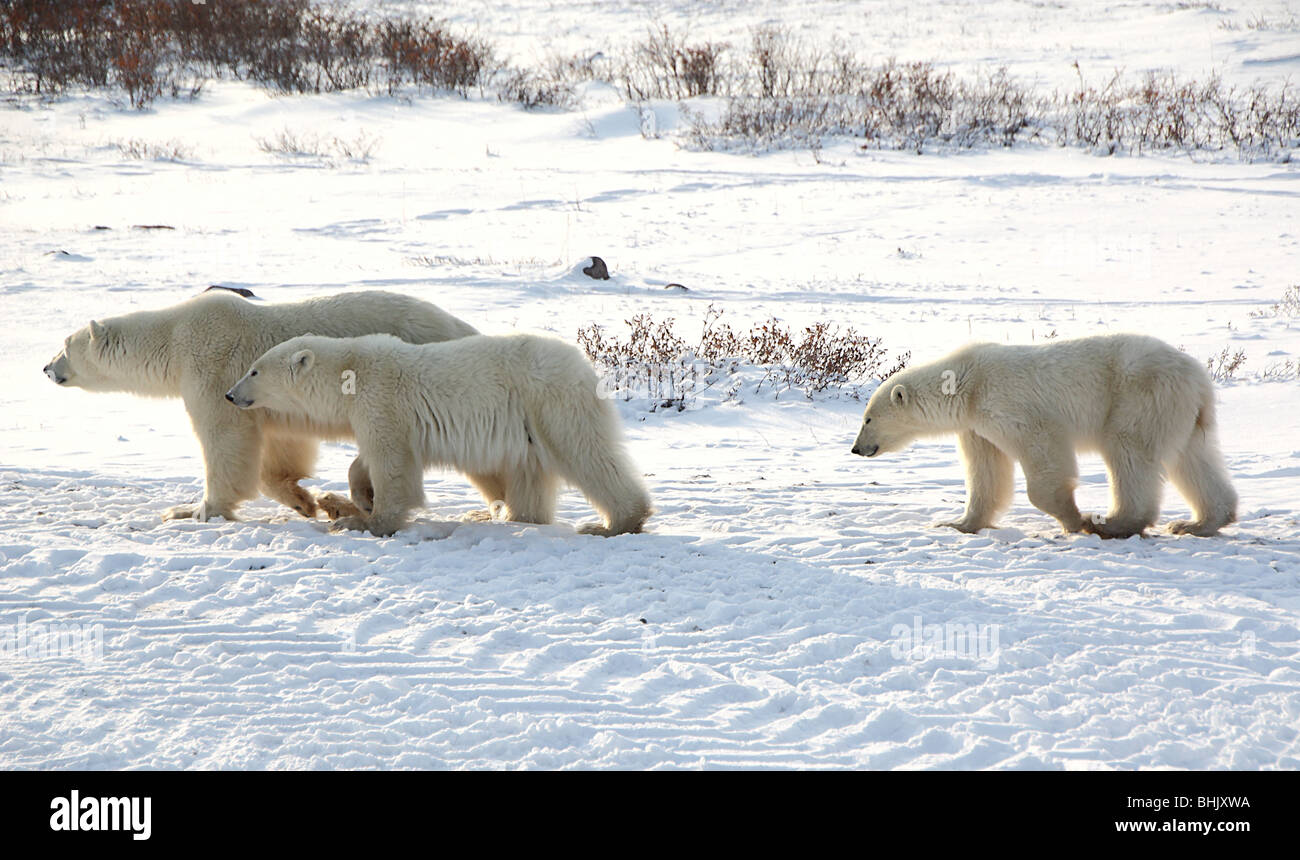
[856,451]
[228,397]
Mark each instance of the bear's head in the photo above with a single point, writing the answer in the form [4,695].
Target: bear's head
[888,424]
[278,378]
[920,401]
[91,358]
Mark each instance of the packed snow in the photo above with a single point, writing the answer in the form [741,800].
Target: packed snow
[791,606]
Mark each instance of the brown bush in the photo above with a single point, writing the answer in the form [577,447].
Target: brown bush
[780,90]
[148,47]
[656,363]
[426,54]
[666,66]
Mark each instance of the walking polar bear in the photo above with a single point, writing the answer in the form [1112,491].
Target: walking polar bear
[518,414]
[1146,407]
[197,349]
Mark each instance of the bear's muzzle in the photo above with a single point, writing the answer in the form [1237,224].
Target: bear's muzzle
[238,401]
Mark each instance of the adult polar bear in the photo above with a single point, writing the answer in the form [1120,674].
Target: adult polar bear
[1146,407]
[197,349]
[517,414]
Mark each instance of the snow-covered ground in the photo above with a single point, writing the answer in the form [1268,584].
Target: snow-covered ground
[769,617]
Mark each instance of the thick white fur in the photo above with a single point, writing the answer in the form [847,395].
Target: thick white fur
[519,415]
[197,349]
[1145,406]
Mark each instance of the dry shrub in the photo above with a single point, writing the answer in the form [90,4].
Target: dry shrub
[1288,307]
[292,144]
[657,364]
[653,363]
[666,66]
[144,150]
[797,96]
[533,90]
[786,93]
[1224,365]
[425,53]
[1281,371]
[152,47]
[780,91]
[555,84]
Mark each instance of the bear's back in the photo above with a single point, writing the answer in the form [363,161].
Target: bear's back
[363,312]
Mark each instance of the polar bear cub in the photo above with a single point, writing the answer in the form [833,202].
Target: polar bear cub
[1147,407]
[517,414]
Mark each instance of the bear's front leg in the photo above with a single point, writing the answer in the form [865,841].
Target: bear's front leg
[990,479]
[232,455]
[397,474]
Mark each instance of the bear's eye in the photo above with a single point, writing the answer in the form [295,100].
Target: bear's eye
[253,373]
[868,421]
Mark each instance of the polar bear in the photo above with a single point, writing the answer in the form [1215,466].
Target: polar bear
[197,349]
[1145,406]
[518,414]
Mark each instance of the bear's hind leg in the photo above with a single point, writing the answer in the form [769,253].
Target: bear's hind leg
[614,488]
[493,489]
[1051,474]
[285,462]
[360,486]
[530,493]
[1135,482]
[618,494]
[1199,473]
[583,441]
[990,480]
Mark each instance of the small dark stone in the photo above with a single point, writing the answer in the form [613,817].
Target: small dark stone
[676,287]
[242,291]
[152,227]
[597,269]
[102,227]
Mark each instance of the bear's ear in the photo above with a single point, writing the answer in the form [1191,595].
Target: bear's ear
[898,396]
[301,362]
[104,338]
